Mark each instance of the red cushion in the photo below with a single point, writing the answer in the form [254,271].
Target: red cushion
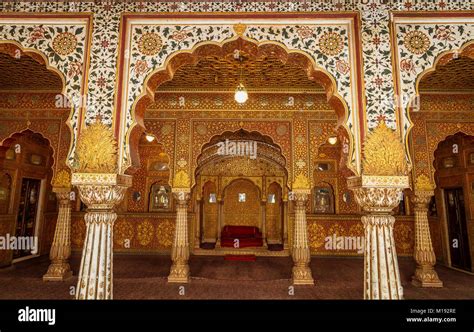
[248,236]
[241,231]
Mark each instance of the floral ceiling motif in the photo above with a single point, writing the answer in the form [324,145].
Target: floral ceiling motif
[27,74]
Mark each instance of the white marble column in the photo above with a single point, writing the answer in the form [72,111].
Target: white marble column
[378,196]
[180,251]
[101,193]
[59,269]
[300,252]
[425,274]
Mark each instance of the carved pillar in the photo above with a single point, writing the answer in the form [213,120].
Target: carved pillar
[59,269]
[425,274]
[101,193]
[300,251]
[220,205]
[285,225]
[198,221]
[180,251]
[263,210]
[378,196]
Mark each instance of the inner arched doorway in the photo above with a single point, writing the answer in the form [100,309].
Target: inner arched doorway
[292,104]
[35,139]
[454,164]
[439,115]
[26,161]
[234,189]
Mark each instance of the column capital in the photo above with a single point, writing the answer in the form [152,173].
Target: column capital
[422,198]
[62,193]
[378,193]
[101,191]
[300,196]
[182,195]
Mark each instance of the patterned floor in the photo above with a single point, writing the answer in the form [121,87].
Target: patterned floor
[144,277]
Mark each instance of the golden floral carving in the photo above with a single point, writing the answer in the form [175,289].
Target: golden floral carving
[181,180]
[384,153]
[150,44]
[356,230]
[423,183]
[337,230]
[240,29]
[316,235]
[123,233]
[65,43]
[301,182]
[164,233]
[145,232]
[417,42]
[96,150]
[404,236]
[62,179]
[331,43]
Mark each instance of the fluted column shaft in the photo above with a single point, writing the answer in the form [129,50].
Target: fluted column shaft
[381,271]
[60,252]
[101,193]
[378,196]
[425,274]
[179,272]
[300,252]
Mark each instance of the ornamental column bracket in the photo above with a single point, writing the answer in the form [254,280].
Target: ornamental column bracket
[301,254]
[59,269]
[179,272]
[425,274]
[378,191]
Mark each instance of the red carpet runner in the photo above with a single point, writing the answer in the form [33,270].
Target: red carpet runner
[242,258]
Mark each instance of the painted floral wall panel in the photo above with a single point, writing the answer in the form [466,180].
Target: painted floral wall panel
[376,51]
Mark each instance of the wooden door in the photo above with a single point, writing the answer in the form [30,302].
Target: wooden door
[27,211]
[457,228]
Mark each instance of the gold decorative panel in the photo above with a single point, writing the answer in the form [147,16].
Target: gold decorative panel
[216,74]
[210,213]
[135,232]
[24,73]
[284,101]
[246,213]
[456,75]
[273,214]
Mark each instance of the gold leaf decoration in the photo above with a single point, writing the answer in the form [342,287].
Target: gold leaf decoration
[96,150]
[301,182]
[240,29]
[384,153]
[181,180]
[423,183]
[62,179]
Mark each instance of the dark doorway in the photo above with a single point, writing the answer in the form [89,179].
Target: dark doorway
[457,228]
[27,210]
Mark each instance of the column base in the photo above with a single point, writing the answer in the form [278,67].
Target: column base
[58,272]
[302,276]
[428,279]
[179,274]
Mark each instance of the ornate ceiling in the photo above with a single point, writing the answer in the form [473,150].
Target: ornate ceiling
[456,75]
[26,74]
[266,73]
